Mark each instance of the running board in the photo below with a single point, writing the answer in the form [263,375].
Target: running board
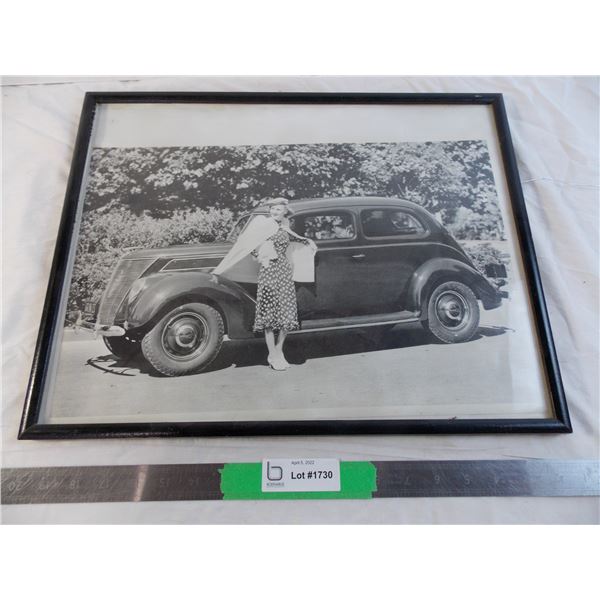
[405,316]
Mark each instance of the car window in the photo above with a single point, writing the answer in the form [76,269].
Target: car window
[330,226]
[389,222]
[296,225]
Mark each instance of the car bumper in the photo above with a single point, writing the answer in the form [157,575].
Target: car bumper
[492,301]
[83,322]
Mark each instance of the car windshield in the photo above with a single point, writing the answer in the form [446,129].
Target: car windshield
[243,223]
[238,228]
[245,219]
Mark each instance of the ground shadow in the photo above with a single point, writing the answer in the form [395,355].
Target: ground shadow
[109,363]
[359,341]
[299,348]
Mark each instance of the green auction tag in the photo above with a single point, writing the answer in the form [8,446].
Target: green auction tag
[298,479]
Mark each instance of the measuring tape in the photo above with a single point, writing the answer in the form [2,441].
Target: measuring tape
[374,479]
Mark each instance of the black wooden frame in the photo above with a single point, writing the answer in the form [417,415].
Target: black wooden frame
[31,428]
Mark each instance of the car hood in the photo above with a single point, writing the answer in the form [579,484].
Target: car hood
[184,250]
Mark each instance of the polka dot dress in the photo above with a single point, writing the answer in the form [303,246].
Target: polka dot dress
[276,306]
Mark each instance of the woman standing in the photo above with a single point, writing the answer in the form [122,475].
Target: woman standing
[284,257]
[276,305]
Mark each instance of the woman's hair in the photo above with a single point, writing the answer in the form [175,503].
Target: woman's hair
[278,202]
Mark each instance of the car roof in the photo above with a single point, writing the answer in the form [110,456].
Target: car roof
[346,202]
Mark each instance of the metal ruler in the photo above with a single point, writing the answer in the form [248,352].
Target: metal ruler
[395,479]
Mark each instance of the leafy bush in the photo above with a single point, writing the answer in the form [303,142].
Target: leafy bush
[443,177]
[484,254]
[108,234]
[468,224]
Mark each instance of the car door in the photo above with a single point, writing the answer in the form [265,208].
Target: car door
[395,242]
[340,274]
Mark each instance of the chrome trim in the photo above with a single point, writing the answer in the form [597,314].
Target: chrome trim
[110,331]
[188,269]
[444,305]
[103,330]
[172,339]
[81,325]
[165,268]
[246,294]
[203,257]
[383,246]
[139,258]
[180,256]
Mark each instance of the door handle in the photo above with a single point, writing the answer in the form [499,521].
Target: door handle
[358,256]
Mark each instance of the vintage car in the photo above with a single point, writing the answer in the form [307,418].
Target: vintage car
[380,262]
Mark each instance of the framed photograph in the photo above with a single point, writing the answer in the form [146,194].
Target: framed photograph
[252,264]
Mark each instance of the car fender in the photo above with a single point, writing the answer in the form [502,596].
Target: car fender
[438,270]
[163,291]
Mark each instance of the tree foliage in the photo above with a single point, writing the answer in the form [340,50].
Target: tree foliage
[453,180]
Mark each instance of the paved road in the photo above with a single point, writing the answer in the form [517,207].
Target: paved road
[352,374]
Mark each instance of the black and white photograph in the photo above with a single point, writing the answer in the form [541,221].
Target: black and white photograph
[236,263]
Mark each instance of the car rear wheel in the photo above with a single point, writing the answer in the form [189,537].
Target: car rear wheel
[186,340]
[121,346]
[452,312]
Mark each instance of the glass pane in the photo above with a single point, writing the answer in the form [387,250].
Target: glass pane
[336,226]
[382,223]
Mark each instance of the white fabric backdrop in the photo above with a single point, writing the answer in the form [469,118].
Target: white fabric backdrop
[554,124]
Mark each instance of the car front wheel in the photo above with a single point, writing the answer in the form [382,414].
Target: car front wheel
[186,340]
[452,312]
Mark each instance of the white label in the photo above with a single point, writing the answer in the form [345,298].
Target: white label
[301,475]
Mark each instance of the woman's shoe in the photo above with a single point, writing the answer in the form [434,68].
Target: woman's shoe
[277,364]
[281,358]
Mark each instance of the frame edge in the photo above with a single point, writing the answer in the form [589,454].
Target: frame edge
[64,236]
[31,429]
[534,281]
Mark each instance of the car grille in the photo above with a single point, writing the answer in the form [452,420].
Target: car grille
[126,272]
